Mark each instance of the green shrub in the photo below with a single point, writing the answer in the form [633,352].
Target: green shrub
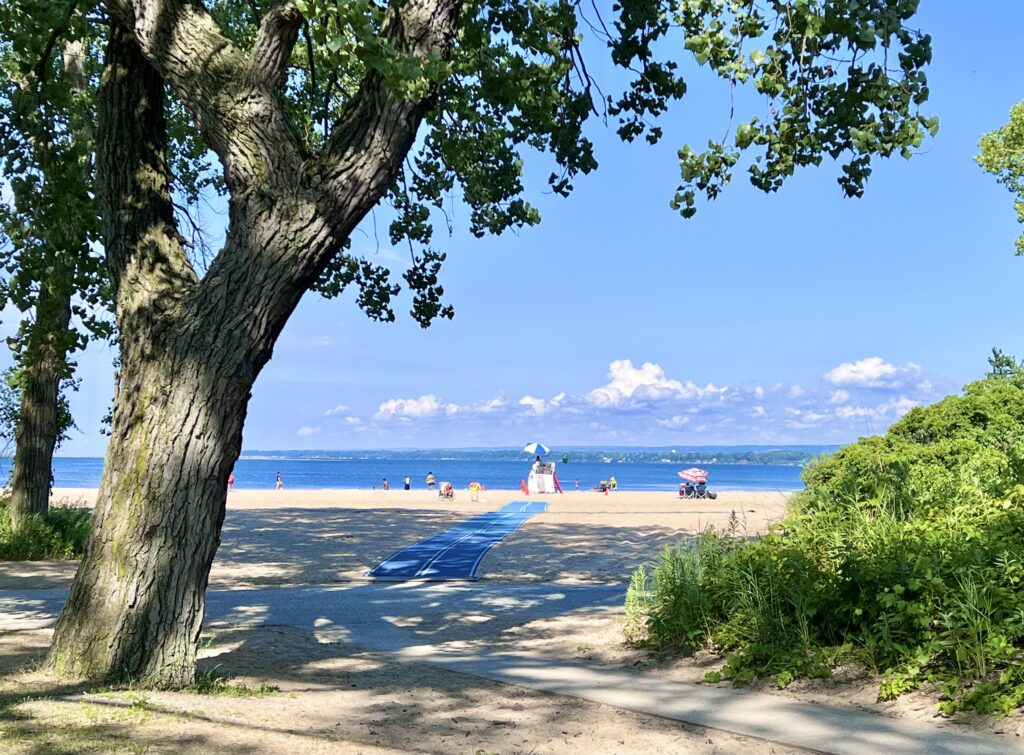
[61,533]
[903,552]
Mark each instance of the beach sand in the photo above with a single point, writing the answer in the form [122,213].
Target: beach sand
[278,537]
[335,698]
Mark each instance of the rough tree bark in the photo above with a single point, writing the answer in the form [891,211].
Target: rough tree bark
[38,415]
[191,349]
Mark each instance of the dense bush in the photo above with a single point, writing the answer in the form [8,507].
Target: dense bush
[904,553]
[60,533]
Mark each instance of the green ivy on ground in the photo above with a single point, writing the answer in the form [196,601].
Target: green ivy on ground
[903,553]
[61,533]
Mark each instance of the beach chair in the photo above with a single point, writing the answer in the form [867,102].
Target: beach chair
[446,492]
[701,491]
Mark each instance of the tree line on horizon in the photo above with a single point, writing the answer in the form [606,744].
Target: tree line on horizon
[717,455]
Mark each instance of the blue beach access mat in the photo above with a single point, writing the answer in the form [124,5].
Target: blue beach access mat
[456,553]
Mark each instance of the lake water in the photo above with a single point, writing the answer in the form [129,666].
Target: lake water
[255,473]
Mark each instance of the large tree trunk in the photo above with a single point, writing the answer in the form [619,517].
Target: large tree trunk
[192,349]
[38,426]
[136,606]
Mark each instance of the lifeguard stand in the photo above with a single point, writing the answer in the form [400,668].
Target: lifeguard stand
[542,478]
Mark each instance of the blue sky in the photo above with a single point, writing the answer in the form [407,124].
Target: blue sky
[800,317]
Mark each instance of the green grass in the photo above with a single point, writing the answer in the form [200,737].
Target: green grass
[61,533]
[213,683]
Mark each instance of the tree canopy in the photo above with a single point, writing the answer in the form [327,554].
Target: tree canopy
[1002,155]
[810,78]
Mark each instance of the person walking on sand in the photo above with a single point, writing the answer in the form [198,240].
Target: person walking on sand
[231,482]
[406,483]
[430,481]
[385,485]
[278,485]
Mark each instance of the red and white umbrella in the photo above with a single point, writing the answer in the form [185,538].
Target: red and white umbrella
[693,474]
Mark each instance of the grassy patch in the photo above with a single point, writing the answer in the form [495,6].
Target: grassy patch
[61,533]
[213,683]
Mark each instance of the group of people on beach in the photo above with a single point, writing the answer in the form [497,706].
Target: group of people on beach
[407,483]
[430,481]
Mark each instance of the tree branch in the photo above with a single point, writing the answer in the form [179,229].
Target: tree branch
[233,97]
[279,31]
[378,121]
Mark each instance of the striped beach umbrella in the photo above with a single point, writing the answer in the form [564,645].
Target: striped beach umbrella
[694,475]
[536,448]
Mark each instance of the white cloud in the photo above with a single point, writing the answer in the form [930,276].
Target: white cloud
[839,396]
[414,408]
[353,421]
[648,381]
[305,431]
[758,412]
[796,391]
[873,372]
[777,387]
[902,405]
[339,409]
[894,408]
[806,417]
[678,420]
[853,412]
[539,406]
[759,392]
[486,407]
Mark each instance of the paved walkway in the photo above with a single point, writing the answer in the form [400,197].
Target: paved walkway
[413,621]
[456,553]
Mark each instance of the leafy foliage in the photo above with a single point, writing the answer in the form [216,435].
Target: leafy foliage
[49,223]
[1003,365]
[903,552]
[838,77]
[61,533]
[10,407]
[1002,155]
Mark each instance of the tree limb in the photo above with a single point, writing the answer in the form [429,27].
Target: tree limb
[268,62]
[232,96]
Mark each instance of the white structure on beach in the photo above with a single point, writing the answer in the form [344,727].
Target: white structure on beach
[542,478]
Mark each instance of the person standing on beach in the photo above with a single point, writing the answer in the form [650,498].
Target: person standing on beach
[385,485]
[406,483]
[278,484]
[231,482]
[430,481]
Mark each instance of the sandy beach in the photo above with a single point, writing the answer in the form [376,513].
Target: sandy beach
[336,697]
[277,537]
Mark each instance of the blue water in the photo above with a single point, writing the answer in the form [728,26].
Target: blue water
[501,474]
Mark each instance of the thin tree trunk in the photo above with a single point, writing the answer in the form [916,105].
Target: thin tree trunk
[38,415]
[39,421]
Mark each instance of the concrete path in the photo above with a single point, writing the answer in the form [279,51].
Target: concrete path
[414,621]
